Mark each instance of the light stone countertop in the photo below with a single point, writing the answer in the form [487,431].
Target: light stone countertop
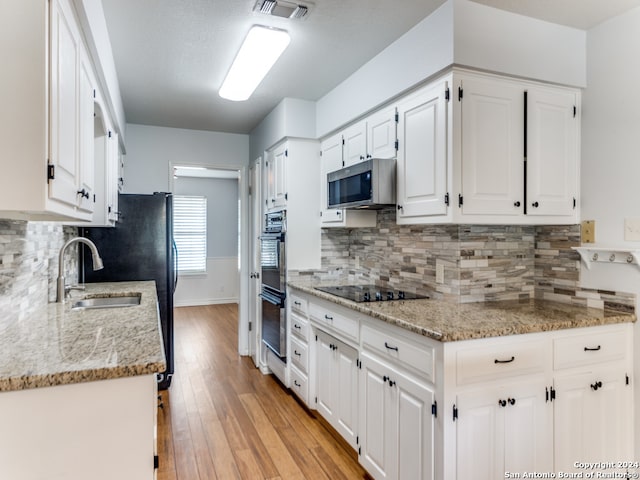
[450,322]
[57,345]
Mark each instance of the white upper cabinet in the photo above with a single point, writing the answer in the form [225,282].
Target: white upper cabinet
[552,152]
[355,144]
[518,151]
[382,133]
[47,119]
[492,147]
[423,153]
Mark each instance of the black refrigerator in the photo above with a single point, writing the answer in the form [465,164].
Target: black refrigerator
[139,247]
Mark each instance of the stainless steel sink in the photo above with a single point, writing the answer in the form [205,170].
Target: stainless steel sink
[106,302]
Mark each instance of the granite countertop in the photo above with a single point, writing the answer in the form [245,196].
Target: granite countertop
[56,345]
[450,322]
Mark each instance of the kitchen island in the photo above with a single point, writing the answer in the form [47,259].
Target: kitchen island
[78,390]
[427,389]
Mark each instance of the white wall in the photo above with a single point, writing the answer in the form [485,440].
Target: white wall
[290,118]
[610,163]
[464,33]
[501,41]
[150,151]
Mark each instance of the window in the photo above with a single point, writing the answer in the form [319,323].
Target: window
[190,233]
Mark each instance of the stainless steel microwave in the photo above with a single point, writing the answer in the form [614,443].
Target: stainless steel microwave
[370,184]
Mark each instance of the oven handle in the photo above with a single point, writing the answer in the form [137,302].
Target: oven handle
[272,299]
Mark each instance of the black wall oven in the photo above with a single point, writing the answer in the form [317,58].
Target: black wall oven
[274,279]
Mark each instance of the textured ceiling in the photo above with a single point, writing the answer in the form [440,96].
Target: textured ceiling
[172,55]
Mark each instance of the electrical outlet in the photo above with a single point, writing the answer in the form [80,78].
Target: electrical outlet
[439,273]
[588,231]
[632,229]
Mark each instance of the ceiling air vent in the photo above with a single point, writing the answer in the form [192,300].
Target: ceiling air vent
[282,8]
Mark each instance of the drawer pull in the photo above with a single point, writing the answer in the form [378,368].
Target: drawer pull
[295,325]
[505,361]
[390,347]
[328,317]
[297,303]
[296,352]
[587,349]
[596,386]
[296,383]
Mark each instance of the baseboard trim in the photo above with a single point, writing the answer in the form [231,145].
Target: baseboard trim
[206,301]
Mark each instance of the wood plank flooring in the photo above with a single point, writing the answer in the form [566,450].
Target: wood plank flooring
[222,419]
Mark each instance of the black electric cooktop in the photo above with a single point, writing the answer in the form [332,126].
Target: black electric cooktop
[369,293]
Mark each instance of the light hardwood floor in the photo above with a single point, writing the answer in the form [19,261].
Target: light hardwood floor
[222,419]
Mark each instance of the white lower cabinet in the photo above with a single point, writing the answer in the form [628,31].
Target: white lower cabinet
[503,428]
[416,408]
[337,385]
[397,426]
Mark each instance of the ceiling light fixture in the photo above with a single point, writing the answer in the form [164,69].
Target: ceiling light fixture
[259,51]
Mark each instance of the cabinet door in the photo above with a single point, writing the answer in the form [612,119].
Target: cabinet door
[113,161]
[330,161]
[86,197]
[64,155]
[355,143]
[422,154]
[492,147]
[480,435]
[346,376]
[381,134]
[415,445]
[280,158]
[326,383]
[378,425]
[552,152]
[528,428]
[591,417]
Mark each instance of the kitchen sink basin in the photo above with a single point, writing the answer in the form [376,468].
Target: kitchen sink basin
[106,302]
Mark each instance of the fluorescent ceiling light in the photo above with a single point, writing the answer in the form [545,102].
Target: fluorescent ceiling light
[260,50]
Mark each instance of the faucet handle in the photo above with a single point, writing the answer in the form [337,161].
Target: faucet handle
[68,288]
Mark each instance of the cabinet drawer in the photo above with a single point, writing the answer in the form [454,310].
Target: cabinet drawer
[300,354]
[300,384]
[492,362]
[340,323]
[588,349]
[298,304]
[413,355]
[300,327]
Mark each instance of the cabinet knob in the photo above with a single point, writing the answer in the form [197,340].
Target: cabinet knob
[83,193]
[400,207]
[502,403]
[512,401]
[516,204]
[535,204]
[361,157]
[596,386]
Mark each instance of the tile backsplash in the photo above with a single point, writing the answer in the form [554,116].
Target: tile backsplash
[479,262]
[29,265]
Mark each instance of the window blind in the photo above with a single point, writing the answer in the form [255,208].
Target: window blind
[190,232]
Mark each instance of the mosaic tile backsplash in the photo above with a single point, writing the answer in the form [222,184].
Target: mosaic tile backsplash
[29,265]
[479,262]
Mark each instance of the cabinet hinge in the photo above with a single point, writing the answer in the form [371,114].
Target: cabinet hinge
[455,412]
[446,199]
[459,93]
[320,152]
[250,326]
[156,462]
[397,144]
[446,94]
[575,111]
[626,379]
[460,200]
[546,394]
[397,117]
[343,163]
[94,93]
[316,399]
[286,153]
[434,409]
[249,190]
[574,202]
[359,451]
[357,440]
[109,133]
[286,196]
[94,198]
[51,172]
[316,341]
[552,394]
[266,202]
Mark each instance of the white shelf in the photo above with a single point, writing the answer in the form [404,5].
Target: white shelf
[594,254]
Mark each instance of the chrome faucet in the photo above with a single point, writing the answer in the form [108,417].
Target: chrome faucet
[63,289]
